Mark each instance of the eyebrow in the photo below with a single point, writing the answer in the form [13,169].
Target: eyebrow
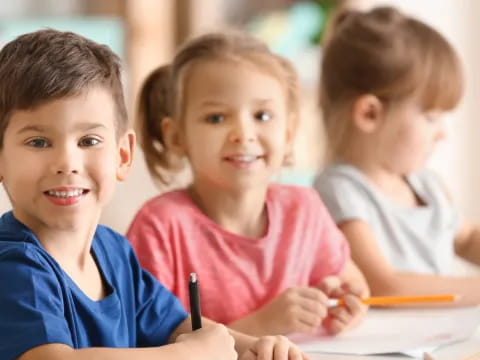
[217,103]
[42,129]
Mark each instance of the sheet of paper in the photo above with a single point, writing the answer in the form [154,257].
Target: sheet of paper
[407,331]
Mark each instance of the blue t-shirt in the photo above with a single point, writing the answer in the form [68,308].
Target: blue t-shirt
[40,303]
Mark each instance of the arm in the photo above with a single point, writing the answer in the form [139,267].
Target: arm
[467,243]
[63,352]
[211,342]
[248,347]
[297,309]
[384,280]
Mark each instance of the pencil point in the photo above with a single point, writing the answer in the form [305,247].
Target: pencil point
[193,277]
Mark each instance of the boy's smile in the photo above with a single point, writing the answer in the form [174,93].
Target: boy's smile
[60,160]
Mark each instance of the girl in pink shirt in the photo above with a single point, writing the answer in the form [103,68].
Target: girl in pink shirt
[268,256]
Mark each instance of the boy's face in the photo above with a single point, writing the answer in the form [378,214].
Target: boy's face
[60,161]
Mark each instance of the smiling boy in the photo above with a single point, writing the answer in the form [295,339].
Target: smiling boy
[70,288]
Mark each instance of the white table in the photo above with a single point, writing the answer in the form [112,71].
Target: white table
[462,350]
[457,351]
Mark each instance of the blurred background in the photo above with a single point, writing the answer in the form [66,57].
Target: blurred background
[145,34]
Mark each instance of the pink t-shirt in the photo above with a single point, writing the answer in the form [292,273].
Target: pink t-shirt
[237,275]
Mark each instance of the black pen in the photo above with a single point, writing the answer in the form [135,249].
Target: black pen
[194,302]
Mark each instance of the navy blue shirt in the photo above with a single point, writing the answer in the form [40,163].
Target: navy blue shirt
[40,303]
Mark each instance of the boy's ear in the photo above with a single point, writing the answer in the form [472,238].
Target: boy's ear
[126,147]
[172,136]
[367,113]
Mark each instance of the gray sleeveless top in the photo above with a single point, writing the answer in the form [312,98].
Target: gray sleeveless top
[413,239]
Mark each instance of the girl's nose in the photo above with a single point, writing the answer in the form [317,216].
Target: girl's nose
[243,130]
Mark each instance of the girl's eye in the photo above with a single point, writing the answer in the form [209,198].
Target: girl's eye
[38,143]
[215,118]
[263,116]
[89,141]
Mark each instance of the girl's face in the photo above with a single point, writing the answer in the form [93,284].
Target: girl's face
[235,124]
[408,137]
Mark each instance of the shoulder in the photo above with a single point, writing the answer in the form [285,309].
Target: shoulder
[340,182]
[346,192]
[166,206]
[342,177]
[158,217]
[112,242]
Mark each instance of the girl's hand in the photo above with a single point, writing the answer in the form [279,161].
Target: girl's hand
[297,309]
[341,318]
[210,342]
[273,348]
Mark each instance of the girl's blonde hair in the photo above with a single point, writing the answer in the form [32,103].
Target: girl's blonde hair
[162,92]
[387,54]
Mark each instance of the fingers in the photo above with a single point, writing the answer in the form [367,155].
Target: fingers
[277,348]
[294,353]
[313,307]
[355,289]
[265,348]
[310,310]
[313,293]
[354,305]
[281,349]
[343,317]
[332,286]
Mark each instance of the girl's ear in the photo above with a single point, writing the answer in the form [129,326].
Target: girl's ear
[125,151]
[172,136]
[367,112]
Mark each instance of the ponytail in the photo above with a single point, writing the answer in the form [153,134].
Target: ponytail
[153,106]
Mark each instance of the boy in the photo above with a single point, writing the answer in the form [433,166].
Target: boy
[72,289]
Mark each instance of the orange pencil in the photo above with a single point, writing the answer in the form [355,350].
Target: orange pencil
[396,300]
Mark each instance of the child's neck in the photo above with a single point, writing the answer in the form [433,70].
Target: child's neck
[67,245]
[242,213]
[393,185]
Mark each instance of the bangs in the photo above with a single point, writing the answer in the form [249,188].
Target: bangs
[442,76]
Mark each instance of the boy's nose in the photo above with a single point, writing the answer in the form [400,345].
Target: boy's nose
[66,162]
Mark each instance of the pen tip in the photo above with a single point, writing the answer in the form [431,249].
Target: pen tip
[193,277]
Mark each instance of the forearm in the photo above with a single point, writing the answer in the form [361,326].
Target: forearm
[249,325]
[470,250]
[63,352]
[400,283]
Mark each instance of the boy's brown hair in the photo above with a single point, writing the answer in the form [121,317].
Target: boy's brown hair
[47,64]
[384,53]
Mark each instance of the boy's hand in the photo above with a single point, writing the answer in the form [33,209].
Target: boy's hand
[210,342]
[273,348]
[343,317]
[297,309]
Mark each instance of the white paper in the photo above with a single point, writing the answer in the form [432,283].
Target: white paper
[407,331]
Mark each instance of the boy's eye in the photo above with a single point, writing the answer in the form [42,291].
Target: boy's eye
[89,141]
[38,143]
[263,115]
[215,118]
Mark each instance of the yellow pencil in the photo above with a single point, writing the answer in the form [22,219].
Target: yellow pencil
[396,300]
